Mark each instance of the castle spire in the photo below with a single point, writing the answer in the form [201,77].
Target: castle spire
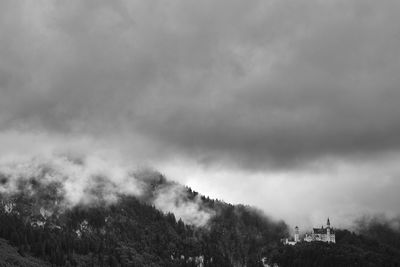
[296,234]
[328,223]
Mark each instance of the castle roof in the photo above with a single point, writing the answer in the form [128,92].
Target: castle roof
[322,231]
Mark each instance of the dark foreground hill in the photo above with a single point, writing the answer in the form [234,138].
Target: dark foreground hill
[10,257]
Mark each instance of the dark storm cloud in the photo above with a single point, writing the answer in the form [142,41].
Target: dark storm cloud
[243,82]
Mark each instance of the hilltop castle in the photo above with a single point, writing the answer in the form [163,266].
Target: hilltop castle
[323,234]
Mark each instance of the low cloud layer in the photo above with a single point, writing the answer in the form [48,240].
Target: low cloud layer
[192,211]
[76,181]
[255,87]
[343,191]
[62,182]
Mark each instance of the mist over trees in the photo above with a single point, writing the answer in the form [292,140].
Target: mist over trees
[166,224]
[132,231]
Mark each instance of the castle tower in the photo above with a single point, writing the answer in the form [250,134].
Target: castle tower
[328,230]
[296,234]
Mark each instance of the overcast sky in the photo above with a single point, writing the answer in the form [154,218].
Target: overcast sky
[291,106]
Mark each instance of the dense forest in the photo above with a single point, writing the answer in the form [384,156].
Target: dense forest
[131,231]
[37,226]
[376,244]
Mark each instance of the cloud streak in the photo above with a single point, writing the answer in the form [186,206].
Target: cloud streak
[174,199]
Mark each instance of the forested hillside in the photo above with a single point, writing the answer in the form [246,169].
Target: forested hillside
[131,231]
[378,245]
[167,224]
[11,257]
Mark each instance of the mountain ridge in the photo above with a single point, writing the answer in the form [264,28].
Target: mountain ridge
[163,223]
[132,230]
